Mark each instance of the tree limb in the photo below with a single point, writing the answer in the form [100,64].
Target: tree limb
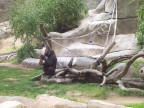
[46,37]
[122,87]
[128,64]
[118,59]
[106,51]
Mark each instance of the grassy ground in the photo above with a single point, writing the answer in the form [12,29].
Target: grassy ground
[15,82]
[136,106]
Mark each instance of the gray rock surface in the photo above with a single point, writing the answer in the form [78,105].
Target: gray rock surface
[125,44]
[26,101]
[45,101]
[127,9]
[4,10]
[12,104]
[79,62]
[127,25]
[101,104]
[30,62]
[92,3]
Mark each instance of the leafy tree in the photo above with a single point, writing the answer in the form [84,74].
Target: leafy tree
[57,15]
[140,31]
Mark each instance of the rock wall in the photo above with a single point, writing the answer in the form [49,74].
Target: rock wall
[127,17]
[4,10]
[92,3]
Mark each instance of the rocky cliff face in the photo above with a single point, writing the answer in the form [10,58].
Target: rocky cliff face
[92,3]
[4,10]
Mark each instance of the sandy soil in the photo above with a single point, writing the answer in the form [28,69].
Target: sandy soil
[116,99]
[15,66]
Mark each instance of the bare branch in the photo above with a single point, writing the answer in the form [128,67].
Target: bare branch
[118,59]
[46,37]
[128,64]
[104,66]
[60,73]
[106,51]
[122,87]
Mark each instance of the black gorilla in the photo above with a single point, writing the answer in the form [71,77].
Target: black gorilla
[49,64]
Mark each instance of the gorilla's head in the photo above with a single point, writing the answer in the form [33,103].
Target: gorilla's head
[49,53]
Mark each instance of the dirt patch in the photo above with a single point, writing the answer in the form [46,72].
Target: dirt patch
[112,98]
[116,99]
[15,66]
[11,79]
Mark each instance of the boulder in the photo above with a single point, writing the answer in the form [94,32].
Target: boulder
[30,62]
[78,63]
[25,101]
[102,104]
[12,104]
[45,101]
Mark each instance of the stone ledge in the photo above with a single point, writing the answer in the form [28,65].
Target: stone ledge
[45,101]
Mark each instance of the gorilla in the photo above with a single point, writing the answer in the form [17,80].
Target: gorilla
[49,61]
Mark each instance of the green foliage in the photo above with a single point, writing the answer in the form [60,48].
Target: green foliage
[25,51]
[57,15]
[140,32]
[60,15]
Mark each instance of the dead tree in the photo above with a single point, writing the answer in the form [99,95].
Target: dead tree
[69,74]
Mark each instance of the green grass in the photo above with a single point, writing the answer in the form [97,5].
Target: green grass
[22,86]
[136,105]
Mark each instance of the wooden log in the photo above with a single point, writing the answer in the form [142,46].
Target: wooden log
[128,64]
[122,87]
[106,51]
[133,82]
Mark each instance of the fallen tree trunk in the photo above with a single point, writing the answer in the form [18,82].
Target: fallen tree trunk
[106,51]
[128,64]
[133,82]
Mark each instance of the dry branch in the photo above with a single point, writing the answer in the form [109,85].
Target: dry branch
[122,87]
[118,59]
[133,82]
[47,38]
[128,64]
[106,51]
